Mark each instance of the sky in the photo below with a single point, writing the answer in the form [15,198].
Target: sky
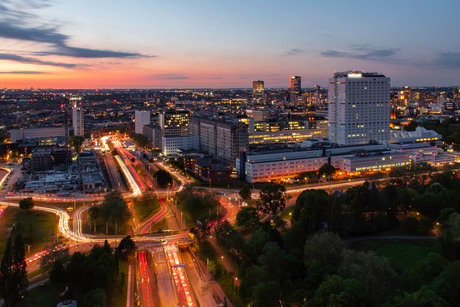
[225,44]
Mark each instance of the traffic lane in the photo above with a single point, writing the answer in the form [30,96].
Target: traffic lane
[163,277]
[200,287]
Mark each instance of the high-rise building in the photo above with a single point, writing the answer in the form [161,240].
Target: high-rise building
[405,95]
[141,119]
[220,137]
[294,88]
[457,93]
[359,108]
[174,122]
[77,119]
[258,90]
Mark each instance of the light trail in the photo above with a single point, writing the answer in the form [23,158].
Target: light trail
[132,183]
[143,229]
[145,279]
[6,175]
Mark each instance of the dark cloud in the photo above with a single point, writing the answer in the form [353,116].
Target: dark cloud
[21,59]
[448,60]
[294,51]
[24,72]
[362,53]
[169,77]
[89,53]
[17,24]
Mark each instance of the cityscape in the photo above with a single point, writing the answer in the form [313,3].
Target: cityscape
[243,155]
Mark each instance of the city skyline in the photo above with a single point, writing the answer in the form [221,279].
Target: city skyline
[57,44]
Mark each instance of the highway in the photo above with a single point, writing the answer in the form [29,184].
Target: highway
[114,176]
[144,279]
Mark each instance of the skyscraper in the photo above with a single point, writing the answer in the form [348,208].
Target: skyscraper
[359,108]
[294,88]
[77,119]
[141,119]
[258,90]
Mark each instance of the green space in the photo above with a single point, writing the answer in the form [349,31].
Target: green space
[145,207]
[49,294]
[402,253]
[116,292]
[37,228]
[217,269]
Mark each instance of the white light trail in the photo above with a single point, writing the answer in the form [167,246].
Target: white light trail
[132,183]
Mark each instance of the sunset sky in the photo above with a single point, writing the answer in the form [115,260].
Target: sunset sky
[222,44]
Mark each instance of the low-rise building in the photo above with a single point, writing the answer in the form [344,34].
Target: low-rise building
[171,144]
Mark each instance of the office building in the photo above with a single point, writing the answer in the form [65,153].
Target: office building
[294,88]
[141,118]
[405,95]
[171,144]
[286,131]
[77,119]
[359,108]
[457,93]
[174,122]
[258,90]
[223,138]
[32,133]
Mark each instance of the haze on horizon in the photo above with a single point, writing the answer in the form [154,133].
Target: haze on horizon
[212,44]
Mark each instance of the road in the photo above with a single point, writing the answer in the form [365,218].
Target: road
[145,280]
[199,284]
[163,278]
[114,175]
[145,227]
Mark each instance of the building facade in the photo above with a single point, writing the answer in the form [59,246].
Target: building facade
[295,88]
[258,90]
[359,108]
[174,122]
[141,119]
[77,119]
[222,138]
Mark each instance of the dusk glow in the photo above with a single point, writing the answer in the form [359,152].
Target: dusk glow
[200,44]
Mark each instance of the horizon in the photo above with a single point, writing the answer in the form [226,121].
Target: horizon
[61,45]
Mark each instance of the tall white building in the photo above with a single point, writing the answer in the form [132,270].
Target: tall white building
[77,119]
[141,118]
[359,108]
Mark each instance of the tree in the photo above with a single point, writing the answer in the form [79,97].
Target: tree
[96,298]
[327,170]
[76,142]
[336,291]
[163,178]
[13,272]
[376,273]
[247,217]
[311,209]
[26,203]
[272,198]
[54,252]
[126,248]
[325,248]
[245,192]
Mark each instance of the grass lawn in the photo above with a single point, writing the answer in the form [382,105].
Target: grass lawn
[44,296]
[40,227]
[402,253]
[48,295]
[145,208]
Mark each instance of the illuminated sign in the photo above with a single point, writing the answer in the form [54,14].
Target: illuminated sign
[353,75]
